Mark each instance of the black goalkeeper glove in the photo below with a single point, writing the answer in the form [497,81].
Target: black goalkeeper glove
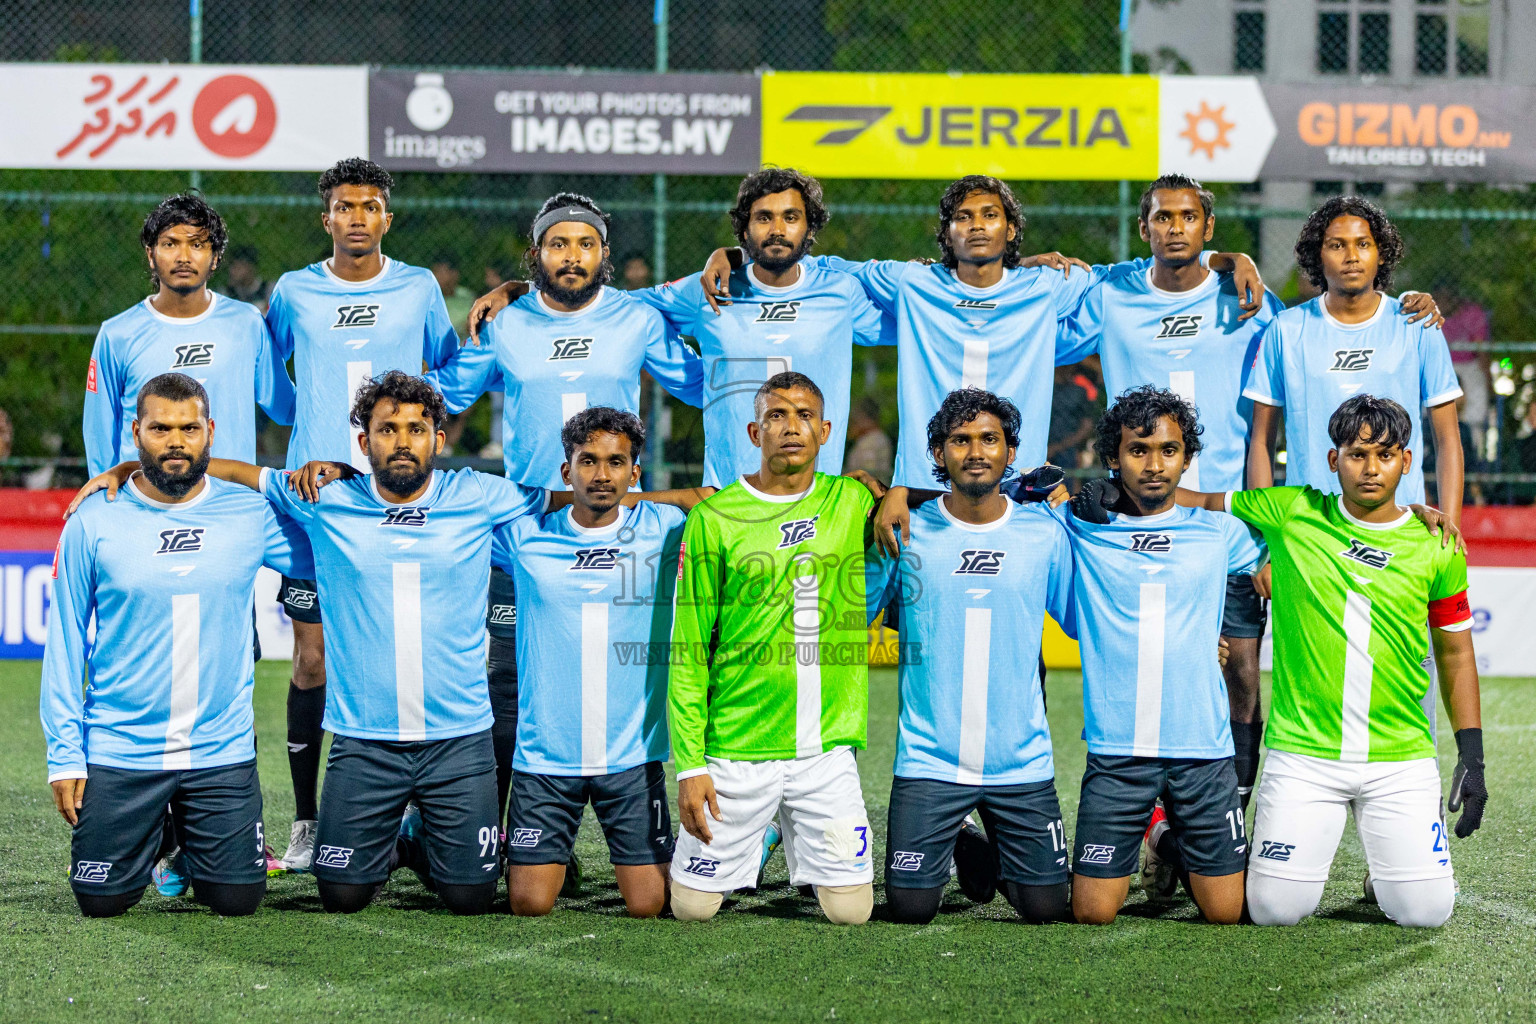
[1468,786]
[1093,502]
[1035,485]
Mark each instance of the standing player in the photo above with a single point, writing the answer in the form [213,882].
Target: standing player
[782,313]
[185,328]
[1355,580]
[1349,341]
[571,343]
[971,591]
[343,320]
[168,575]
[1148,598]
[595,584]
[768,692]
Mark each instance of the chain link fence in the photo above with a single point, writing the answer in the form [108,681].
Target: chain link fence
[69,254]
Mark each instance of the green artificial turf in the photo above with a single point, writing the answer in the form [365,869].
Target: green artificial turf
[766,957]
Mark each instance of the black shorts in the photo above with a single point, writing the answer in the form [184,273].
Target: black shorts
[1245,612]
[1023,822]
[369,782]
[301,600]
[1200,798]
[631,806]
[501,606]
[217,815]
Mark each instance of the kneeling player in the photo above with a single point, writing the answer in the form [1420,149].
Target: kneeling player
[168,574]
[971,590]
[1355,578]
[1149,590]
[594,584]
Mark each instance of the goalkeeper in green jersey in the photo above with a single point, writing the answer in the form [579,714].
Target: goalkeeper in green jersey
[1356,581]
[768,694]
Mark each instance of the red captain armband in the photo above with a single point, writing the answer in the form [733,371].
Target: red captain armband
[90,378]
[1450,611]
[682,555]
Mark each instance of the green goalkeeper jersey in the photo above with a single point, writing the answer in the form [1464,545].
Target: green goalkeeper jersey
[769,636]
[1353,603]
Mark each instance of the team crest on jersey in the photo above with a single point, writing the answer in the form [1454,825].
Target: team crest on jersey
[570,348]
[1185,325]
[976,562]
[975,304]
[1152,543]
[705,866]
[93,871]
[525,837]
[595,560]
[198,354]
[1367,555]
[1351,360]
[356,316]
[797,531]
[1272,850]
[406,515]
[906,860]
[181,540]
[778,312]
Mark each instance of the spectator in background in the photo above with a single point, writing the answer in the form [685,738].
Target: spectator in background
[457,297]
[1525,441]
[243,281]
[1465,320]
[1074,410]
[869,446]
[637,273]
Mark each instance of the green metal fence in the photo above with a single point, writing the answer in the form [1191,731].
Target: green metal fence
[68,240]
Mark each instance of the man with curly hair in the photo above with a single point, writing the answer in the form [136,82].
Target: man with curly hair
[342,320]
[1148,597]
[1347,341]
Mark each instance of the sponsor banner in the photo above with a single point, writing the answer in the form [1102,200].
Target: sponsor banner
[183,116]
[1443,132]
[26,595]
[942,126]
[1213,129]
[566,122]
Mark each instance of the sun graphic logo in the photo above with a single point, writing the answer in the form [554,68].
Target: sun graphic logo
[1207,130]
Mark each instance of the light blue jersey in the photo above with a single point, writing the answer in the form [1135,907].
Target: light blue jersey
[1189,342]
[340,333]
[553,364]
[170,586]
[403,588]
[1148,599]
[594,620]
[971,602]
[1005,339]
[226,348]
[810,326]
[1309,364]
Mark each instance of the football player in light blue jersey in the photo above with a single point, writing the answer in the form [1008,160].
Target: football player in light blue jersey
[184,327]
[970,592]
[1351,340]
[167,573]
[594,584]
[343,320]
[1150,585]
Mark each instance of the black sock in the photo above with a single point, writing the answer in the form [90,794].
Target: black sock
[306,712]
[1246,737]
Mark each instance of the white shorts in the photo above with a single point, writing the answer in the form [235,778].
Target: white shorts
[820,806]
[1302,804]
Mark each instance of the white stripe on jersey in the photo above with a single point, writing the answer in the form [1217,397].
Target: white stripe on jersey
[1182,383]
[410,693]
[973,365]
[973,697]
[571,403]
[1358,668]
[357,373]
[1151,625]
[807,620]
[594,688]
[186,623]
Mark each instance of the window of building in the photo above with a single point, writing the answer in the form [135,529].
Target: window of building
[1354,37]
[1451,37]
[1248,38]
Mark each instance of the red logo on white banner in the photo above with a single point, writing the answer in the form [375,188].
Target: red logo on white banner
[234,116]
